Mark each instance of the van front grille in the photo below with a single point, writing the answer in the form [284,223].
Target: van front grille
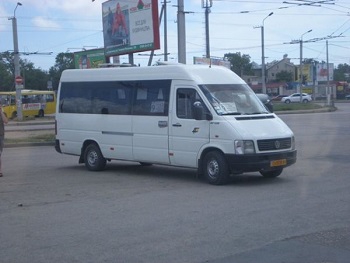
[274,144]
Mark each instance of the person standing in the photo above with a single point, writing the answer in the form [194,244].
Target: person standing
[3,121]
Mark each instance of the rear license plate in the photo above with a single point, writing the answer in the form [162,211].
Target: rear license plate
[278,162]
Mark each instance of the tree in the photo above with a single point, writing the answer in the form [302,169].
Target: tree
[240,64]
[6,71]
[34,78]
[284,76]
[63,61]
[342,72]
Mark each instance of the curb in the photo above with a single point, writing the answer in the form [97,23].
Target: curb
[321,110]
[29,129]
[11,123]
[29,144]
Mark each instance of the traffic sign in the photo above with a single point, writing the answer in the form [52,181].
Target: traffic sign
[19,80]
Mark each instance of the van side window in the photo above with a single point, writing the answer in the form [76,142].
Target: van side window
[185,98]
[151,98]
[147,97]
[95,98]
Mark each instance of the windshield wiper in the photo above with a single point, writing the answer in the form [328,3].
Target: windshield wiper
[252,113]
[232,113]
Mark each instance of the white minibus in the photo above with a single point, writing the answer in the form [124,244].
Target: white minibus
[197,116]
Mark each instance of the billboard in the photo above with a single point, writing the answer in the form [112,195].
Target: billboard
[89,58]
[130,26]
[322,72]
[212,61]
[307,73]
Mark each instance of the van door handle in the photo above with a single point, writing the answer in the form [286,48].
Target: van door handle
[177,125]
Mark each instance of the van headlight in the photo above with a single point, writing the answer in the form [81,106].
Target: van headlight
[293,143]
[244,147]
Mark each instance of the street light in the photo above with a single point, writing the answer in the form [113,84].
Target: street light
[263,56]
[16,64]
[301,61]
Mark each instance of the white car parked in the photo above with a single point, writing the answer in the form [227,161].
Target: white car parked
[295,97]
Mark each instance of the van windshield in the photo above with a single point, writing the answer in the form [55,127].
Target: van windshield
[233,99]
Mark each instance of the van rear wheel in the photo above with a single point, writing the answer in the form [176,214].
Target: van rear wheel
[93,158]
[216,170]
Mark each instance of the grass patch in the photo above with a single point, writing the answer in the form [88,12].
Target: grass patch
[33,139]
[295,106]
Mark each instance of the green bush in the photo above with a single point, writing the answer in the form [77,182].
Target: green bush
[295,106]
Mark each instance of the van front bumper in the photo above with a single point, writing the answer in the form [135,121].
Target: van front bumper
[260,162]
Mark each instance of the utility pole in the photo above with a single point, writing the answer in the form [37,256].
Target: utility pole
[165,33]
[163,10]
[181,32]
[301,64]
[329,93]
[263,77]
[207,4]
[18,83]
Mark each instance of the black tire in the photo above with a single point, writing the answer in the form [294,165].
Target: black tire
[93,158]
[14,115]
[215,168]
[271,174]
[287,101]
[305,101]
[41,113]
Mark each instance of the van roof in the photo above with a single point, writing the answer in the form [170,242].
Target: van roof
[201,74]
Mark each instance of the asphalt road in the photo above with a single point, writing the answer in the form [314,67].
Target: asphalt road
[53,210]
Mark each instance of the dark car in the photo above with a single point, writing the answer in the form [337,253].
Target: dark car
[266,100]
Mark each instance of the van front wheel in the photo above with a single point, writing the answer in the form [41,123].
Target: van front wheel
[94,160]
[215,168]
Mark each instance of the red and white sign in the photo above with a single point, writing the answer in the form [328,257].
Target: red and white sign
[19,80]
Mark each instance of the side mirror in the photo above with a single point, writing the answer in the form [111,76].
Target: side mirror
[198,112]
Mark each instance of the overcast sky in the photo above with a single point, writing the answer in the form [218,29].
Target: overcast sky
[46,26]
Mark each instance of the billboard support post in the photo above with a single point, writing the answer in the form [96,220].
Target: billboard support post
[131,59]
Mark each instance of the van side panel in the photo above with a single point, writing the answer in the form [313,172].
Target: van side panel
[150,139]
[114,139]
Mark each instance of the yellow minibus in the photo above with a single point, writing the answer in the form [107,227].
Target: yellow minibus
[34,103]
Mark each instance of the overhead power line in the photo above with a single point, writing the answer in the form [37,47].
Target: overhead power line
[309,2]
[313,39]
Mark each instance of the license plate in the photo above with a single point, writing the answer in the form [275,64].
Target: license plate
[278,162]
